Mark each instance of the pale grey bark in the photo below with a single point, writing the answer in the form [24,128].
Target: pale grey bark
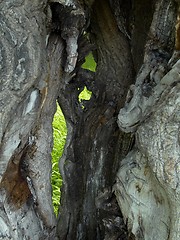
[147,186]
[41,50]
[28,93]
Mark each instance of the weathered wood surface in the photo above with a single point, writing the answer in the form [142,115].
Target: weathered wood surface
[42,47]
[88,208]
[29,86]
[147,186]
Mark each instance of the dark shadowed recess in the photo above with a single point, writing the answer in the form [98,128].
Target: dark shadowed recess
[95,145]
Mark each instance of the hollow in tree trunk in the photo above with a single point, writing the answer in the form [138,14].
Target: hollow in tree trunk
[120,166]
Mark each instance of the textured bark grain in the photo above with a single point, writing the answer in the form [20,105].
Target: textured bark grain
[118,182]
[147,186]
[29,86]
[88,207]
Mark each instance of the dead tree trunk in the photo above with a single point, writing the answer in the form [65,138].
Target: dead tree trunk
[119,182]
[29,89]
[88,208]
[147,186]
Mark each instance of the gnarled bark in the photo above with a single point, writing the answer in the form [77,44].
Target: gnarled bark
[88,207]
[117,183]
[147,186]
[29,87]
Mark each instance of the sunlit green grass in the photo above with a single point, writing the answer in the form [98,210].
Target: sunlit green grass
[59,136]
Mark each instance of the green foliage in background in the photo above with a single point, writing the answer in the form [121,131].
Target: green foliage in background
[59,136]
[90,63]
[85,95]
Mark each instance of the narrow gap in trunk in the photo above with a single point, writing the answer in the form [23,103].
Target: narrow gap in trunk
[90,65]
[60,133]
[59,136]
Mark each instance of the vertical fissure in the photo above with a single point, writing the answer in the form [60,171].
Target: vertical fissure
[60,132]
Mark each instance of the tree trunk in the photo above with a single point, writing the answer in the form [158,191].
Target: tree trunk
[147,186]
[29,89]
[119,182]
